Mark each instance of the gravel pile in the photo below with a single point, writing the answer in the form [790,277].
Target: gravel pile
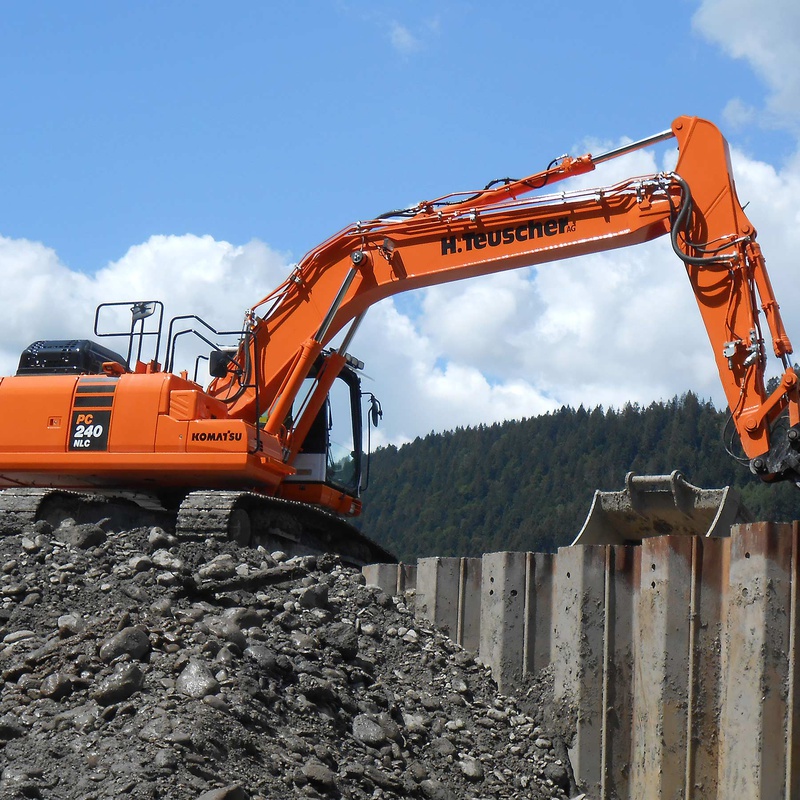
[134,666]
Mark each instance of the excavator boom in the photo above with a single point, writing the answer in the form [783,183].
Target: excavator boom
[515,225]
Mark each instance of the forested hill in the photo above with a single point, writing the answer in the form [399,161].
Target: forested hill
[528,485]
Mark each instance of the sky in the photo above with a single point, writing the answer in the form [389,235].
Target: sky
[193,151]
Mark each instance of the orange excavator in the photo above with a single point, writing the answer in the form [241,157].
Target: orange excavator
[252,455]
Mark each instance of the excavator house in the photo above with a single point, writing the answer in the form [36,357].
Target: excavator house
[84,429]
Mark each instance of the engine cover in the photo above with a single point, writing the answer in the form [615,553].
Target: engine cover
[66,357]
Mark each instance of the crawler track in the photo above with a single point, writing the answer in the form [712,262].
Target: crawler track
[20,507]
[295,528]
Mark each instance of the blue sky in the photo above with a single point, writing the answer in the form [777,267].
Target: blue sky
[286,121]
[152,145]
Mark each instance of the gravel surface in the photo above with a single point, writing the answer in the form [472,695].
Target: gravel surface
[136,666]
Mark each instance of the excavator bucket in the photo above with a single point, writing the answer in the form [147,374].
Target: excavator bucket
[657,505]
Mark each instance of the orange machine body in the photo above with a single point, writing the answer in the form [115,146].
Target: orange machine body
[142,431]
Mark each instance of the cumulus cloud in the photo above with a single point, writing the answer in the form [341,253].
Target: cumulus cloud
[424,386]
[215,280]
[765,35]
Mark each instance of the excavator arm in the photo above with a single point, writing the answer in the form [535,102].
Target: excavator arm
[523,223]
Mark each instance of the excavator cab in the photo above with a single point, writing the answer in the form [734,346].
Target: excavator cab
[332,452]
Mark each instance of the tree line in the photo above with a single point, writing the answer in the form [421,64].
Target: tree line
[528,484]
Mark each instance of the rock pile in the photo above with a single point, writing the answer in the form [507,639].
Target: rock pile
[135,666]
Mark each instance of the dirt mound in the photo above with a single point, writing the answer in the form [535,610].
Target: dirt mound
[136,666]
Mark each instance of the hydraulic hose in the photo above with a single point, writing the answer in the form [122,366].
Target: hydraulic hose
[681,224]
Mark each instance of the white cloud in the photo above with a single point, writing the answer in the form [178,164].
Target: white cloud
[424,387]
[47,300]
[482,321]
[619,327]
[766,36]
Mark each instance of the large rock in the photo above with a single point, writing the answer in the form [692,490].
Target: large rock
[197,681]
[131,641]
